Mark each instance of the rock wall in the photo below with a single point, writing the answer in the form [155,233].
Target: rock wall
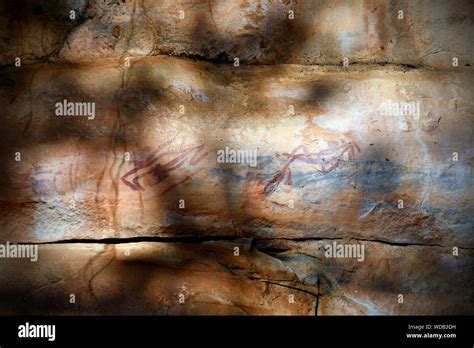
[419,33]
[354,126]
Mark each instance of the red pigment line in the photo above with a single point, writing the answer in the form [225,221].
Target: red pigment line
[181,181]
[70,176]
[173,164]
[333,161]
[136,186]
[150,159]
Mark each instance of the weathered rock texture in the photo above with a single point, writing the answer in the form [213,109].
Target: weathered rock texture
[153,278]
[132,210]
[428,33]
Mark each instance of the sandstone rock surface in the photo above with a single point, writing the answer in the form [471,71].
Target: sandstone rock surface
[133,212]
[428,33]
[151,278]
[335,167]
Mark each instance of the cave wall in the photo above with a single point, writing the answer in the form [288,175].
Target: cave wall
[133,213]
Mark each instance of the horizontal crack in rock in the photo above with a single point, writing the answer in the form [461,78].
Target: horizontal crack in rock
[239,238]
